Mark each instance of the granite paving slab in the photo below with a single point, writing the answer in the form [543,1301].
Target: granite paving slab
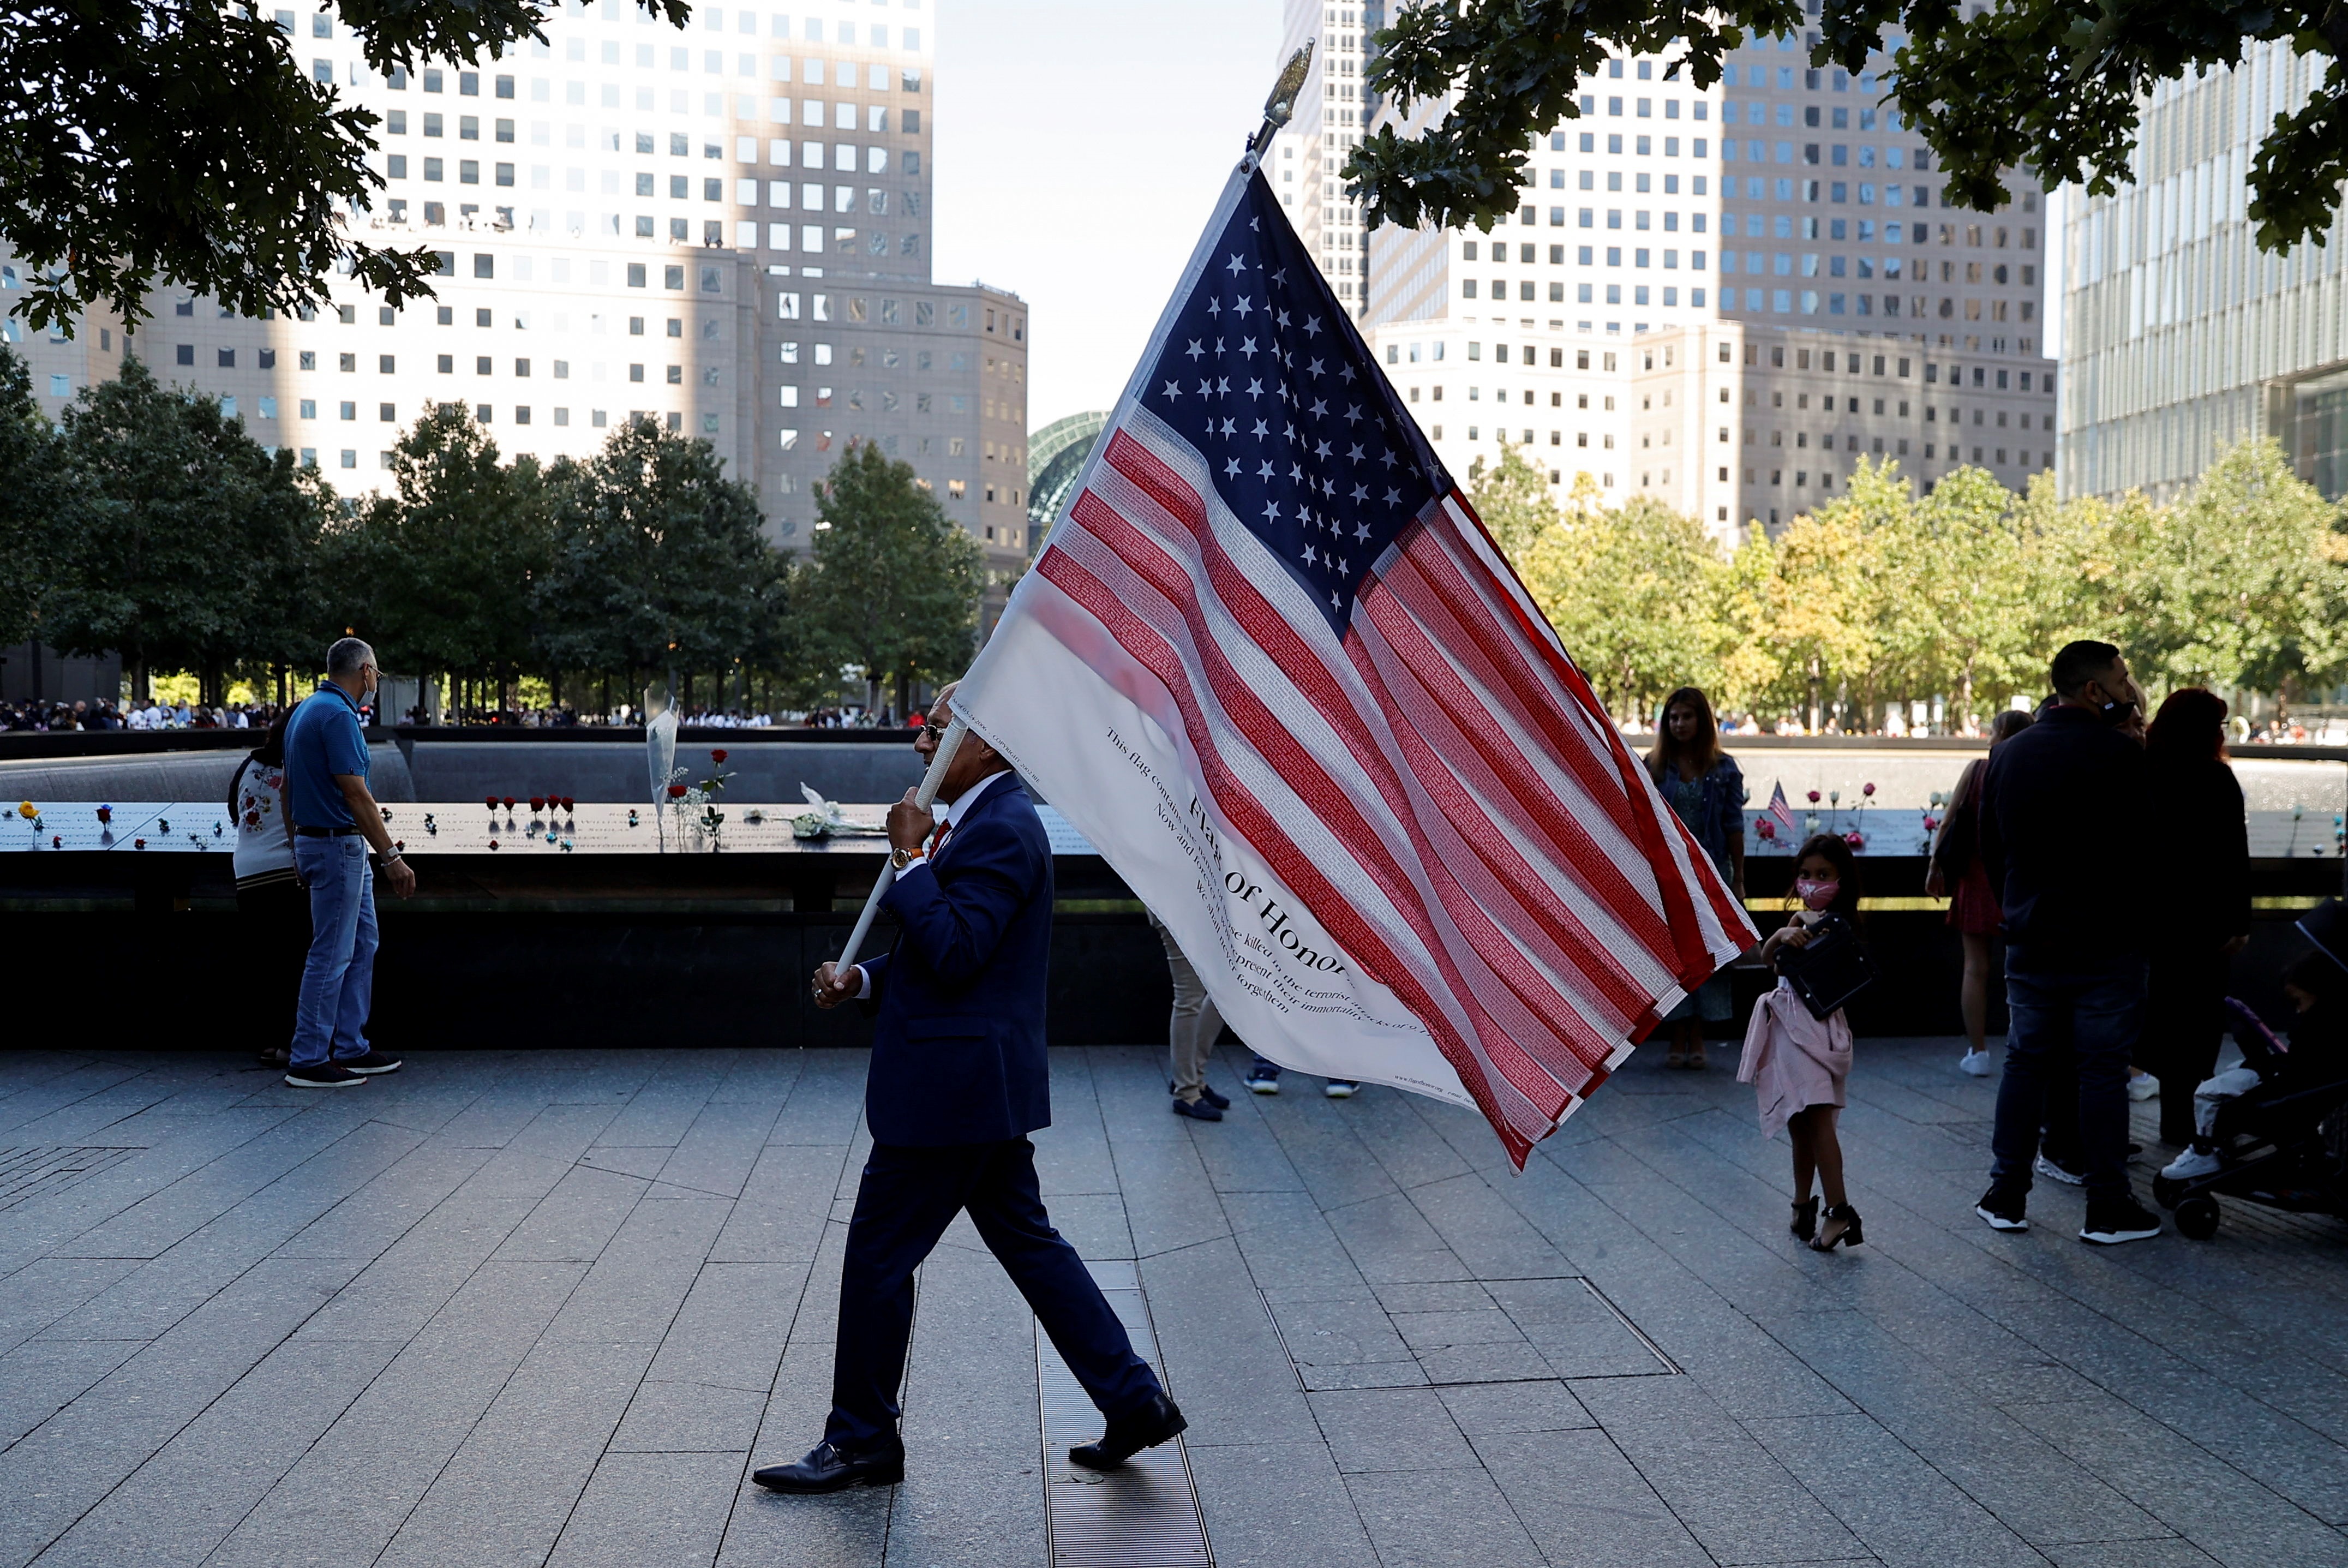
[555,1305]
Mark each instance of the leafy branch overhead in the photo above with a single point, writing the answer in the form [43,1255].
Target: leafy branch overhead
[182,141]
[2054,86]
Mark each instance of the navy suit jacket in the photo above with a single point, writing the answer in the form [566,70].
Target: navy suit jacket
[958,1028]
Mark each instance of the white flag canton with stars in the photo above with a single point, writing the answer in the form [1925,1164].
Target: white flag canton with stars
[1264,374]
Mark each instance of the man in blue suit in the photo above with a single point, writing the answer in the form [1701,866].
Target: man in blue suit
[959,1078]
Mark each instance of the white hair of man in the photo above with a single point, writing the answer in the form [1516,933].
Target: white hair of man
[348,657]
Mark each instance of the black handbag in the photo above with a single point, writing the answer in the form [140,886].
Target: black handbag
[1828,972]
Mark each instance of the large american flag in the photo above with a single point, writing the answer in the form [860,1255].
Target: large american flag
[1367,698]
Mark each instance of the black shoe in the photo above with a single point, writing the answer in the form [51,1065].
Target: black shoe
[1806,1220]
[2003,1211]
[1159,1421]
[1842,1226]
[827,1469]
[278,1056]
[1197,1110]
[369,1065]
[1205,1093]
[325,1075]
[2120,1220]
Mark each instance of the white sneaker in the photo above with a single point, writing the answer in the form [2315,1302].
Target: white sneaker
[1976,1064]
[2054,1172]
[1340,1088]
[2142,1085]
[2193,1164]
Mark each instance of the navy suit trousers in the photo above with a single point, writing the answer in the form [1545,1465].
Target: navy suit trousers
[907,1199]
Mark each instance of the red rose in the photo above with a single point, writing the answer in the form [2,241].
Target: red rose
[494,802]
[677,791]
[538,802]
[567,803]
[493,843]
[1866,788]
[1813,797]
[1855,838]
[138,843]
[508,801]
[717,756]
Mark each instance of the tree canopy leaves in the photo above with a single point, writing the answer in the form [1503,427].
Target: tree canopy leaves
[2054,86]
[894,583]
[1883,596]
[182,538]
[147,141]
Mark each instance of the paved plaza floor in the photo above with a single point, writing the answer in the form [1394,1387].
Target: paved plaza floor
[553,1307]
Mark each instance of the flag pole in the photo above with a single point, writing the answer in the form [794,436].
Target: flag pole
[925,798]
[1281,107]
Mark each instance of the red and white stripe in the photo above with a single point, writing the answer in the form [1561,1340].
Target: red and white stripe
[1439,788]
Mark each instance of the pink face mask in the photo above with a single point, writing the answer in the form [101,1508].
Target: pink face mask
[1815,896]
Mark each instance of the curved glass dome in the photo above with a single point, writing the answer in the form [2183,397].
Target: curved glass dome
[1055,456]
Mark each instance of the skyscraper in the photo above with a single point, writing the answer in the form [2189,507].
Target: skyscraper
[724,229]
[1331,115]
[2180,335]
[1722,298]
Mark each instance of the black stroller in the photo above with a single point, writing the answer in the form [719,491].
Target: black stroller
[2274,1130]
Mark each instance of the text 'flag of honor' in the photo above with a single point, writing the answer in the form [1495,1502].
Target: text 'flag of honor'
[1272,666]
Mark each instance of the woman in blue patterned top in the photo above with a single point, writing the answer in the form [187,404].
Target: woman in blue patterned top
[1706,789]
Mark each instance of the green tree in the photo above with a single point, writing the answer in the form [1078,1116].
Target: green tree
[659,563]
[1632,593]
[1512,498]
[2242,585]
[439,573]
[157,141]
[2055,86]
[892,584]
[31,470]
[179,525]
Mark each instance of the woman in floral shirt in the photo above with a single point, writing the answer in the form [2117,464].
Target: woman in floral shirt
[269,892]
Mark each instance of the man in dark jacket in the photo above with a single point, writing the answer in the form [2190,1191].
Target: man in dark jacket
[959,1078]
[2067,822]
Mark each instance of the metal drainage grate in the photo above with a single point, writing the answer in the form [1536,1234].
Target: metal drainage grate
[29,1174]
[1145,1515]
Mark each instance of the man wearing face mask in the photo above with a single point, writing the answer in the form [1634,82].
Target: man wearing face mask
[2066,814]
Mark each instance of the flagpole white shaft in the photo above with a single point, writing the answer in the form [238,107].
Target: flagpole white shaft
[925,797]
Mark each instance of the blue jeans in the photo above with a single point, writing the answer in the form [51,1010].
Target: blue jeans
[338,979]
[2092,1011]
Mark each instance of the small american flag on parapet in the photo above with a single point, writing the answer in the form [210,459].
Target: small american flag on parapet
[1779,807]
[1273,666]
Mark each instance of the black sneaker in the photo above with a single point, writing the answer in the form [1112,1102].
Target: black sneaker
[2120,1220]
[369,1065]
[325,1075]
[2003,1211]
[1207,1093]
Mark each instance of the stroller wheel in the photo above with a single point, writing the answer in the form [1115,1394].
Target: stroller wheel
[2166,1190]
[2197,1217]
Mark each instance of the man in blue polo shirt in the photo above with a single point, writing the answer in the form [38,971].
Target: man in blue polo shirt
[335,820]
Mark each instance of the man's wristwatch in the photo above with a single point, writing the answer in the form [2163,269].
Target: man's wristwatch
[901,859]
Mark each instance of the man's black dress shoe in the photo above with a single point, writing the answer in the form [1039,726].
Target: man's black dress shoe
[1155,1422]
[827,1469]
[1206,1092]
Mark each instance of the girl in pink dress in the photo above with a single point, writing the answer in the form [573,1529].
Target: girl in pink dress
[1795,1063]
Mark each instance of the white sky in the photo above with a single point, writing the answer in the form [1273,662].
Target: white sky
[1079,148]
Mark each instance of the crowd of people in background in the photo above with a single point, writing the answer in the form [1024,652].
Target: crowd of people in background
[2276,729]
[140,713]
[2119,939]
